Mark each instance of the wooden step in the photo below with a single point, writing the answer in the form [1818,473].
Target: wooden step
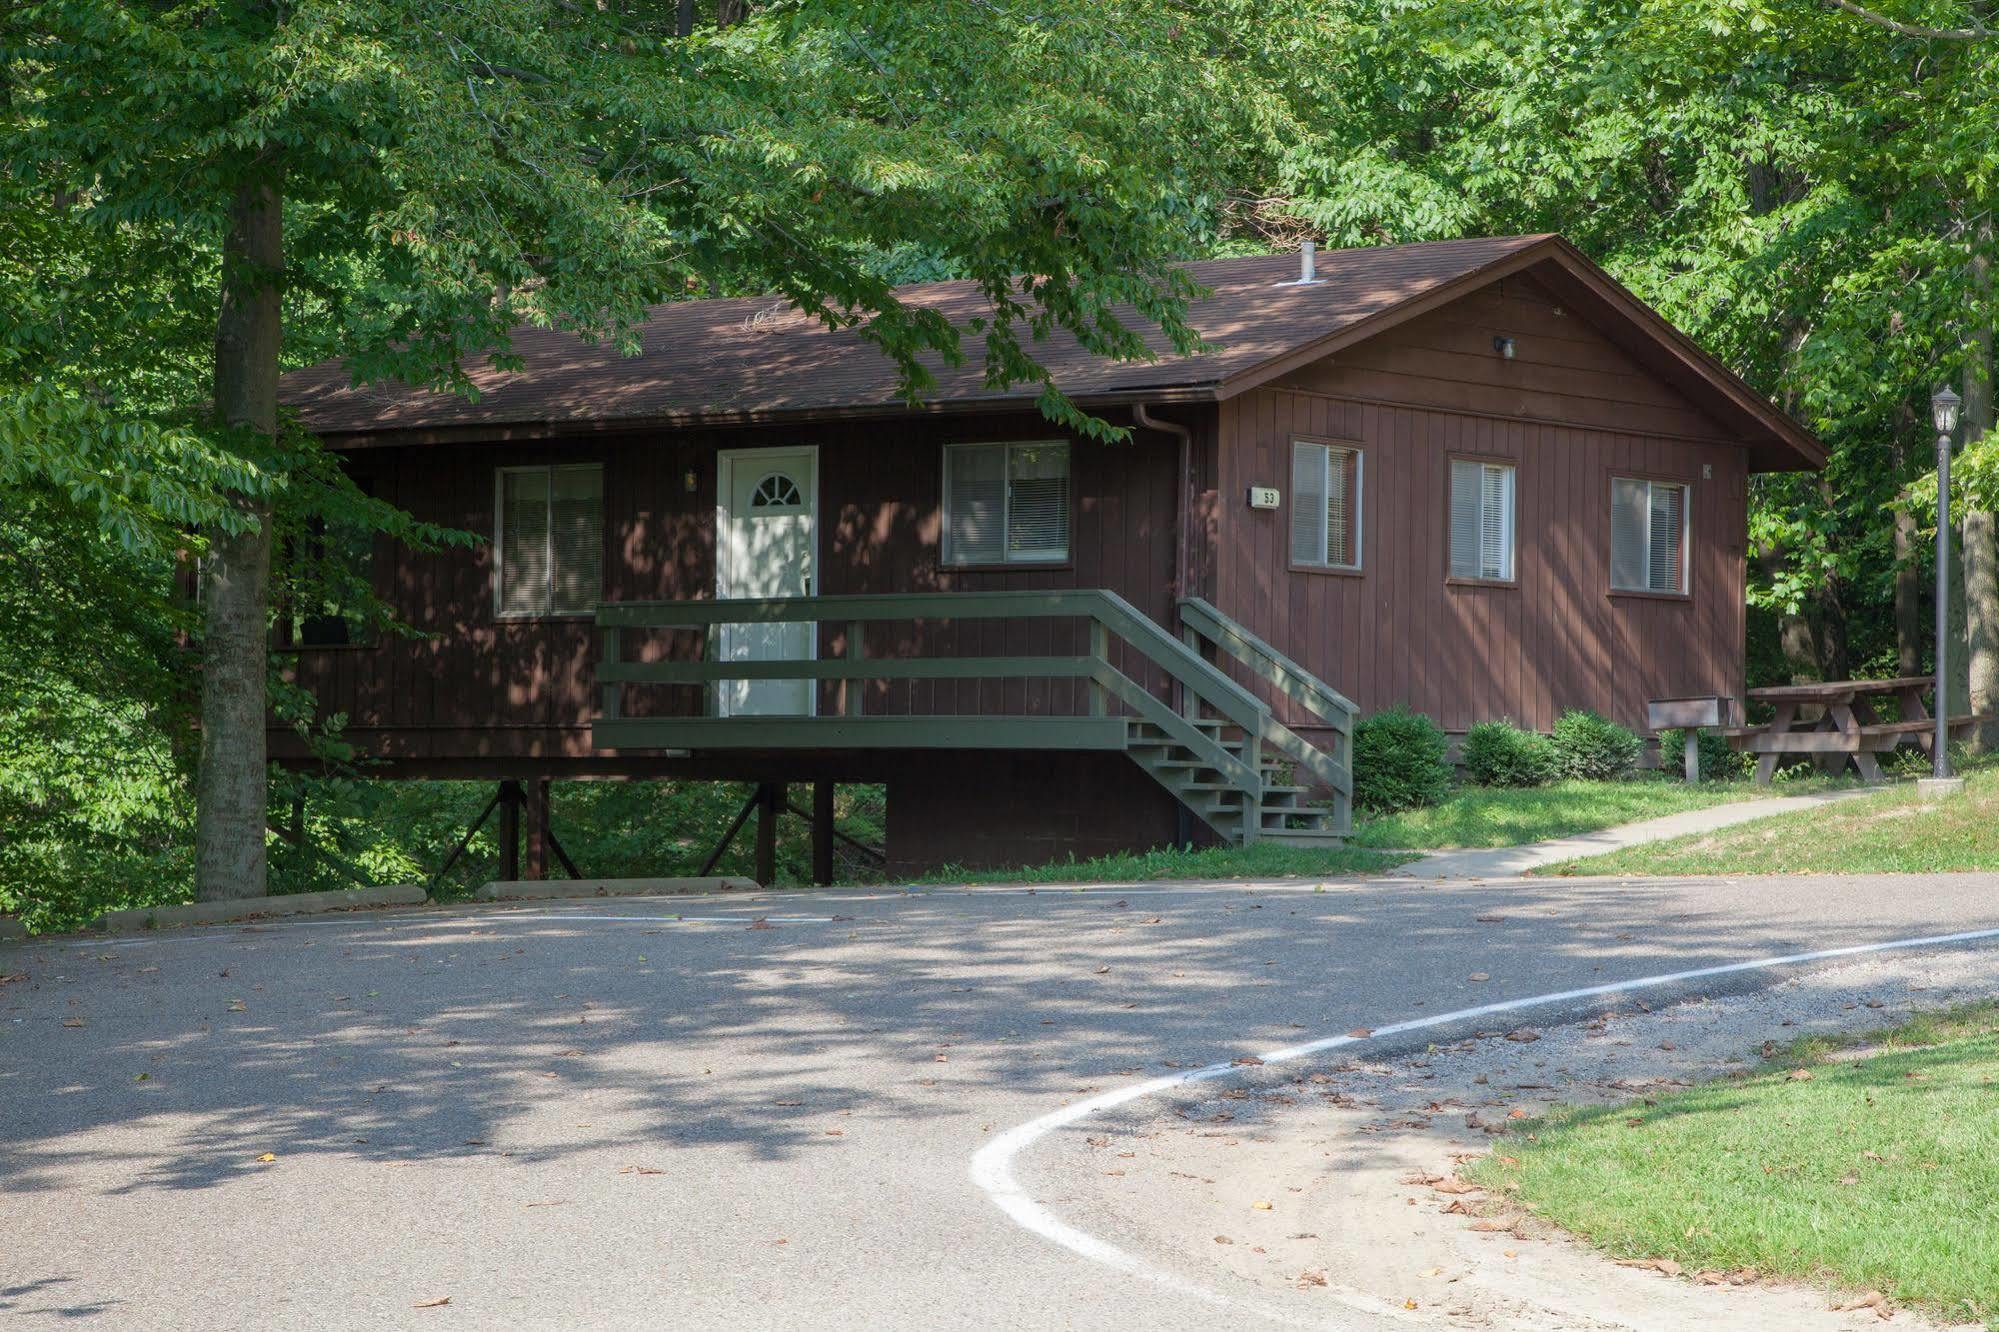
[1304,836]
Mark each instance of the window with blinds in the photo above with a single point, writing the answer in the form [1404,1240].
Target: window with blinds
[1006,503]
[1481,520]
[1325,505]
[550,539]
[1648,536]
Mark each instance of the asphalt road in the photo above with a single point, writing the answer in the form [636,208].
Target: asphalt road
[655,1113]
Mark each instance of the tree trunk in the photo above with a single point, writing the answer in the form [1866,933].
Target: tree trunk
[1794,631]
[683,20]
[232,785]
[1909,632]
[1981,530]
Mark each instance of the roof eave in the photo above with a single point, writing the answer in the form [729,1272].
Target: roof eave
[579,427]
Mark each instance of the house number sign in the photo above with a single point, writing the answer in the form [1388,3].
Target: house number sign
[1263,497]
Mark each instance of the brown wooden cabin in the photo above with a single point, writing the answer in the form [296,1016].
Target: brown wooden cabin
[1476,477]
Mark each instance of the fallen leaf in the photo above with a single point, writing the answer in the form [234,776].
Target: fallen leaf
[1223,1239]
[13,976]
[1523,1035]
[1479,976]
[1873,1299]
[560,1202]
[437,1303]
[1311,1279]
[74,1022]
[1103,971]
[1432,1272]
[267,1157]
[1799,1075]
[1664,1265]
[1488,920]
[1261,1205]
[1361,1033]
[761,924]
[1247,1061]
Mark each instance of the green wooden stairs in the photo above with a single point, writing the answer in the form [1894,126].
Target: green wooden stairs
[1174,705]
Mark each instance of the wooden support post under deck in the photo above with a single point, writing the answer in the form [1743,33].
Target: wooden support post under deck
[538,813]
[510,831]
[770,803]
[822,833]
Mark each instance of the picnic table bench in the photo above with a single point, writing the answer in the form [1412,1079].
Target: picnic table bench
[1852,724]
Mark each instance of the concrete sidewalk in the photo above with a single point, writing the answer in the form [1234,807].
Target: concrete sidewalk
[1507,861]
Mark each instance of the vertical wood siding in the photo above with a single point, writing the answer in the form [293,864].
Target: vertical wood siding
[1399,632]
[478,686]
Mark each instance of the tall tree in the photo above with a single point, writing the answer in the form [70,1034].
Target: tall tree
[405,181]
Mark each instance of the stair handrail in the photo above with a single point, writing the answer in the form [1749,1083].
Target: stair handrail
[1282,672]
[1333,770]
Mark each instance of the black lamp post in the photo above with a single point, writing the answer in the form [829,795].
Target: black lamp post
[1943,414]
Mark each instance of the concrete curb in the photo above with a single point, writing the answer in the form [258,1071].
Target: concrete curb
[253,908]
[528,890]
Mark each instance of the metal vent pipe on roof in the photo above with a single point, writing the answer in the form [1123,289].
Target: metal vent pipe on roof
[1307,265]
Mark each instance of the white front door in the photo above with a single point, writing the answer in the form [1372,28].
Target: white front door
[767,537]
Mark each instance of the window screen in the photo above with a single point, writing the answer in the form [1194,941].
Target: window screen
[1006,503]
[1325,505]
[551,540]
[1481,520]
[1648,536]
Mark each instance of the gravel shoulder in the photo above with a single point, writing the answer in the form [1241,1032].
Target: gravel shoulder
[1313,1186]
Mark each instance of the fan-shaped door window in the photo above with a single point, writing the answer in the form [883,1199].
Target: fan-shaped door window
[776,493]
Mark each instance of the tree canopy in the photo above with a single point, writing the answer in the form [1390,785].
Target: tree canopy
[1804,185]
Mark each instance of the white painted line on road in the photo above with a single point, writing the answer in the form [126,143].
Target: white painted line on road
[992,1165]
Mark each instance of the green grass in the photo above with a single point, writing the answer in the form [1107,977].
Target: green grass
[1263,860]
[1484,816]
[1893,832]
[1878,1171]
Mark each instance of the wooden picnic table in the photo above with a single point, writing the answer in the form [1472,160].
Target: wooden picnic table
[1851,725]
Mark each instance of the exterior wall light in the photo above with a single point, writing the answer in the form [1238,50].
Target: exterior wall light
[1504,346]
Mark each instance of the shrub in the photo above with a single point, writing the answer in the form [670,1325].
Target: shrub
[1498,753]
[1719,759]
[1594,748]
[1399,762]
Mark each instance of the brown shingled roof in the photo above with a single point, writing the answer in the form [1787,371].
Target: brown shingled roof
[756,359]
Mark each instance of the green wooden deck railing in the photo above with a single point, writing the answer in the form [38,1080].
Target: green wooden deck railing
[1115,698]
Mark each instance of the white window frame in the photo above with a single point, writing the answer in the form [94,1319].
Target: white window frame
[1686,535]
[1510,523]
[950,557]
[1326,448]
[500,475]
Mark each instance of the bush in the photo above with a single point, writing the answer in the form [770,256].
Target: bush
[1498,753]
[1593,748]
[1399,762]
[1719,759]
